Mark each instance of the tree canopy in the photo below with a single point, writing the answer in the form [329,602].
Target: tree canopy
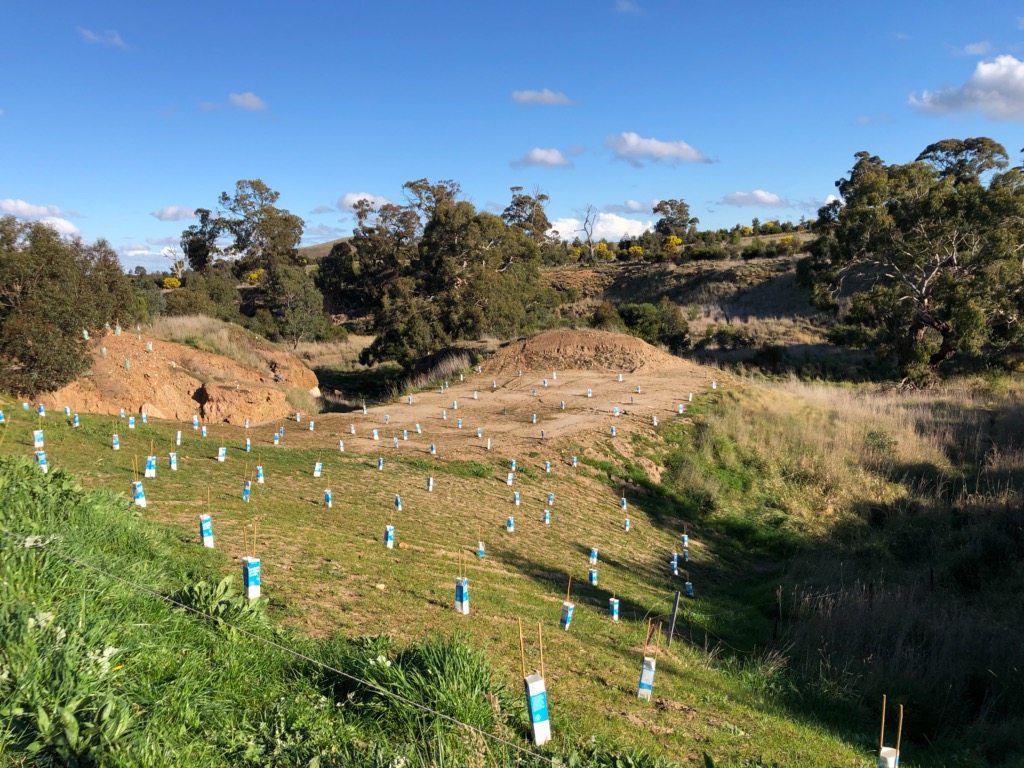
[927,255]
[436,270]
[51,289]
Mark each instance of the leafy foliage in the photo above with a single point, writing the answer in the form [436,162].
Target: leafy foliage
[928,254]
[51,289]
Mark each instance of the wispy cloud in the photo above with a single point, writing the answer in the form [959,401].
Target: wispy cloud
[632,206]
[627,6]
[868,119]
[634,149]
[322,232]
[979,48]
[544,96]
[109,38]
[347,202]
[323,209]
[995,88]
[756,197]
[545,158]
[173,213]
[247,100]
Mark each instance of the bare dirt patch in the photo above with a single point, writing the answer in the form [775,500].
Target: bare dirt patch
[173,381]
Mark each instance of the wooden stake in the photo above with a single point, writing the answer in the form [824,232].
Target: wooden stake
[540,638]
[899,733]
[522,650]
[881,736]
[245,540]
[647,636]
[254,539]
[657,634]
[568,588]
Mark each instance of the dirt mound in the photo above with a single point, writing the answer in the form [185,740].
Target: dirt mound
[172,381]
[583,350]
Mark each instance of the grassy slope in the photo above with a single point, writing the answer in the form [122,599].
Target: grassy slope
[322,569]
[811,487]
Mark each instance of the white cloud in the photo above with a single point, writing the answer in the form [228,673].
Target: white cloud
[759,197]
[48,214]
[110,38]
[63,226]
[247,100]
[995,88]
[633,148]
[323,209]
[632,206]
[347,202]
[626,6]
[1020,22]
[979,48]
[607,226]
[547,158]
[24,210]
[173,213]
[208,106]
[544,96]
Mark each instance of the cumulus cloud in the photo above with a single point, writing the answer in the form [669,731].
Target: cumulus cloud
[607,226]
[25,210]
[546,158]
[247,100]
[63,226]
[48,214]
[347,202]
[634,149]
[543,96]
[995,88]
[108,38]
[812,206]
[632,206]
[173,213]
[756,197]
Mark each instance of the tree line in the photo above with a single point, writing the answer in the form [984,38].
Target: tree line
[919,261]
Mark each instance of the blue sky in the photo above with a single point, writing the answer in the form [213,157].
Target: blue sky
[119,118]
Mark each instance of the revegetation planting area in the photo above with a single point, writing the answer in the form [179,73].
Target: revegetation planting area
[842,543]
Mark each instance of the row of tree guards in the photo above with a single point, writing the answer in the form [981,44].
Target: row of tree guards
[534,680]
[251,564]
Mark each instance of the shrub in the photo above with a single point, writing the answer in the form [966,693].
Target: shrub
[170,283]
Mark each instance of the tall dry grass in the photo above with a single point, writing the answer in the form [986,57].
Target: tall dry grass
[217,337]
[911,582]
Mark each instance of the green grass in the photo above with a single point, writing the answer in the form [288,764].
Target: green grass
[741,469]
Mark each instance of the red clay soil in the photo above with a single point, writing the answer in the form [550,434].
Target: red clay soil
[583,350]
[174,381]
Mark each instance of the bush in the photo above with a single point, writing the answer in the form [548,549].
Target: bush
[170,283]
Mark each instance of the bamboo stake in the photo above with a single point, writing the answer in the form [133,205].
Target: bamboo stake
[647,636]
[657,634]
[568,588]
[245,540]
[254,538]
[540,638]
[522,649]
[899,733]
[882,734]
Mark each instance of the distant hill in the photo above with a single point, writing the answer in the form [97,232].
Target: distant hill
[319,250]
